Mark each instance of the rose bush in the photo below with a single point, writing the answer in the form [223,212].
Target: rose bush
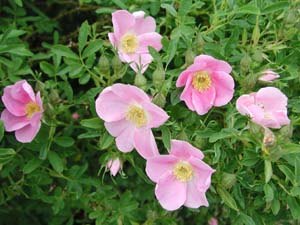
[192,86]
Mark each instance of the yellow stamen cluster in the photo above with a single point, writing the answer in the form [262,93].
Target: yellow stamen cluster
[31,108]
[129,43]
[136,115]
[201,81]
[183,171]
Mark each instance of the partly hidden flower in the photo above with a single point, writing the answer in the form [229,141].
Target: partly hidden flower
[133,34]
[267,107]
[206,83]
[114,166]
[129,116]
[181,177]
[213,221]
[268,76]
[23,111]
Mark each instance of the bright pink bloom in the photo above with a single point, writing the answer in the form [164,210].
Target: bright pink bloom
[23,111]
[267,107]
[75,116]
[206,83]
[133,34]
[114,165]
[213,221]
[182,177]
[269,76]
[129,116]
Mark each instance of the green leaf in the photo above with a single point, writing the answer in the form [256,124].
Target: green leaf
[55,161]
[120,3]
[166,137]
[297,171]
[31,165]
[170,9]
[275,206]
[94,123]
[246,220]
[287,172]
[294,207]
[47,68]
[275,7]
[172,48]
[104,10]
[106,141]
[84,32]
[185,6]
[19,3]
[248,9]
[269,193]
[227,198]
[64,51]
[268,170]
[93,47]
[64,141]
[1,130]
[6,155]
[84,79]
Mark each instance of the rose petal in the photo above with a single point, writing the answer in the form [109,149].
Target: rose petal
[145,144]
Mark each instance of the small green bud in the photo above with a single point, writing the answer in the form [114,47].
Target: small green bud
[245,63]
[158,77]
[117,66]
[199,43]
[269,138]
[189,57]
[54,96]
[183,136]
[159,99]
[228,180]
[140,81]
[104,67]
[258,56]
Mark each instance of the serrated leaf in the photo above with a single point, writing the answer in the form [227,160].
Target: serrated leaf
[185,6]
[92,48]
[275,7]
[269,193]
[94,123]
[31,165]
[47,68]
[268,170]
[248,9]
[106,140]
[227,198]
[166,137]
[55,161]
[84,32]
[169,8]
[6,155]
[64,51]
[64,141]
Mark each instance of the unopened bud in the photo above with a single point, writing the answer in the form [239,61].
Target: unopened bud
[158,77]
[117,66]
[269,138]
[159,100]
[140,81]
[114,166]
[228,180]
[103,66]
[199,43]
[258,56]
[189,57]
[245,63]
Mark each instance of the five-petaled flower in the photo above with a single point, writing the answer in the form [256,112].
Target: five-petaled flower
[133,34]
[182,177]
[129,116]
[23,111]
[207,83]
[267,107]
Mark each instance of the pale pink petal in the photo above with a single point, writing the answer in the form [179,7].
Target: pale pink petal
[157,116]
[125,141]
[112,39]
[109,106]
[224,85]
[144,143]
[14,106]
[271,98]
[184,150]
[203,101]
[152,39]
[157,166]
[243,102]
[11,122]
[27,133]
[186,94]
[195,198]
[189,72]
[117,127]
[269,76]
[143,25]
[270,122]
[213,64]
[282,118]
[170,192]
[130,93]
[22,91]
[114,166]
[122,21]
[202,173]
[213,221]
[39,101]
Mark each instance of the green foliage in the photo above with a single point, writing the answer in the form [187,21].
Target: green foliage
[62,49]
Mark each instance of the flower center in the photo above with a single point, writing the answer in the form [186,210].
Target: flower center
[31,108]
[136,115]
[183,171]
[129,43]
[201,81]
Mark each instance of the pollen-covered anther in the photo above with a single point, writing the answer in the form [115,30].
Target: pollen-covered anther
[201,81]
[137,116]
[183,171]
[31,108]
[129,43]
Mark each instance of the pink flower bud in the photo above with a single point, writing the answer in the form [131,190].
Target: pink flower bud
[269,76]
[114,165]
[75,116]
[213,221]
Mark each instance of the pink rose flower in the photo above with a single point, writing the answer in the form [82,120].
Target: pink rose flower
[207,83]
[267,107]
[181,177]
[129,116]
[23,111]
[269,76]
[114,165]
[213,221]
[133,34]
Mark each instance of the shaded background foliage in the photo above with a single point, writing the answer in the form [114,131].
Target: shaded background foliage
[61,47]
